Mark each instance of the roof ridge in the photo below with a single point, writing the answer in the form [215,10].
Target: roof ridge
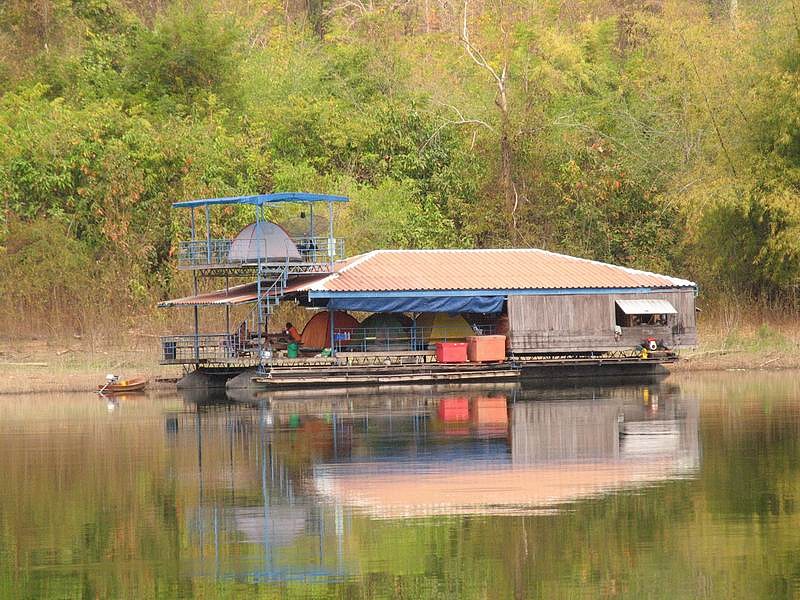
[677,280]
[354,261]
[357,260]
[431,250]
[620,267]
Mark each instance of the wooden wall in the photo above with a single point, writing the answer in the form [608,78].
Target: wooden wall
[585,322]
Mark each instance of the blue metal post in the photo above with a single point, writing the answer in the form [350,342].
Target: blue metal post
[196,312]
[208,233]
[331,241]
[311,240]
[259,303]
[331,252]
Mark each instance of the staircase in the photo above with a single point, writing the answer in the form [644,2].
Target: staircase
[273,284]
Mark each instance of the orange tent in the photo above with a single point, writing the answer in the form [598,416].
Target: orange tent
[317,332]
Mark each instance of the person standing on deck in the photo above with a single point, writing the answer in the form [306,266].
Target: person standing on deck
[292,332]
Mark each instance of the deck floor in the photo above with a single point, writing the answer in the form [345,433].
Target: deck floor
[331,375]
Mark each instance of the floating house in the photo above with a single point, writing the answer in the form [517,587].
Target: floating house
[381,317]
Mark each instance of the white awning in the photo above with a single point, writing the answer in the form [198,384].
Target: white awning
[646,307]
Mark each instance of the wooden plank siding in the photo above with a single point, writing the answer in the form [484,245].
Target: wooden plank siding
[585,322]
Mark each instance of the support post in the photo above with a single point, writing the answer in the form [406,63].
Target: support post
[259,302]
[227,308]
[331,241]
[311,242]
[330,323]
[196,312]
[208,234]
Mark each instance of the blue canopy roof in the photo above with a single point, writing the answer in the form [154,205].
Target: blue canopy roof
[443,302]
[262,199]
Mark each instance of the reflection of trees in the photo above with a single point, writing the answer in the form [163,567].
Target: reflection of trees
[85,492]
[82,489]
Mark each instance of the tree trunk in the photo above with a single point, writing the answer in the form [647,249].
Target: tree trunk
[314,10]
[506,159]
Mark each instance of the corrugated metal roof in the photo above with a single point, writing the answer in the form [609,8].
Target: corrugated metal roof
[240,294]
[512,269]
[646,307]
[442,270]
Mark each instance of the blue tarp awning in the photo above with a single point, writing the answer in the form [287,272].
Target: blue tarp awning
[401,304]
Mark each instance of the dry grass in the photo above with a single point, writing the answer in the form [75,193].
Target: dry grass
[745,336]
[732,336]
[45,365]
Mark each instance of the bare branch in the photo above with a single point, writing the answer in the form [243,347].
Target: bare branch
[456,123]
[475,54]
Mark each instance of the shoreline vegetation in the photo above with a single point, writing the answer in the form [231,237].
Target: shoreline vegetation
[659,136]
[78,365]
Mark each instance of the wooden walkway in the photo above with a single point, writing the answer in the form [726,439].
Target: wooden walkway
[382,373]
[386,375]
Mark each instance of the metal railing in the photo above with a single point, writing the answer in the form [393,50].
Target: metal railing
[313,251]
[244,341]
[204,348]
[389,339]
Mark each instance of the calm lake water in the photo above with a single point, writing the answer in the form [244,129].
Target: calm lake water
[688,488]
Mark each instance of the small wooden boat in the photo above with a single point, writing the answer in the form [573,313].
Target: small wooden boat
[134,384]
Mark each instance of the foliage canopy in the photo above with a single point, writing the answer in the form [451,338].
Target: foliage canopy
[661,135]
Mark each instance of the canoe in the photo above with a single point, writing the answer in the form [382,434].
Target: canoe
[134,384]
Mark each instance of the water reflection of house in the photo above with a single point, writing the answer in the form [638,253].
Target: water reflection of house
[558,431]
[279,480]
[556,452]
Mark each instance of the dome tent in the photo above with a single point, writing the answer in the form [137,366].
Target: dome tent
[438,327]
[382,331]
[263,240]
[317,332]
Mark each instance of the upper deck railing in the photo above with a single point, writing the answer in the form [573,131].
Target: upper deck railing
[316,254]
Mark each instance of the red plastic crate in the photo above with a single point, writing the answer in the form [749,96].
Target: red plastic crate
[451,352]
[486,348]
[454,410]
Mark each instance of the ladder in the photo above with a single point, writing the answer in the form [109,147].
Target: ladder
[272,282]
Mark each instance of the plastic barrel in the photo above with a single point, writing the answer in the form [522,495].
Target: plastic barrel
[292,350]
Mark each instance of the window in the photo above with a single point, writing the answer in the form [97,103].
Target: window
[643,313]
